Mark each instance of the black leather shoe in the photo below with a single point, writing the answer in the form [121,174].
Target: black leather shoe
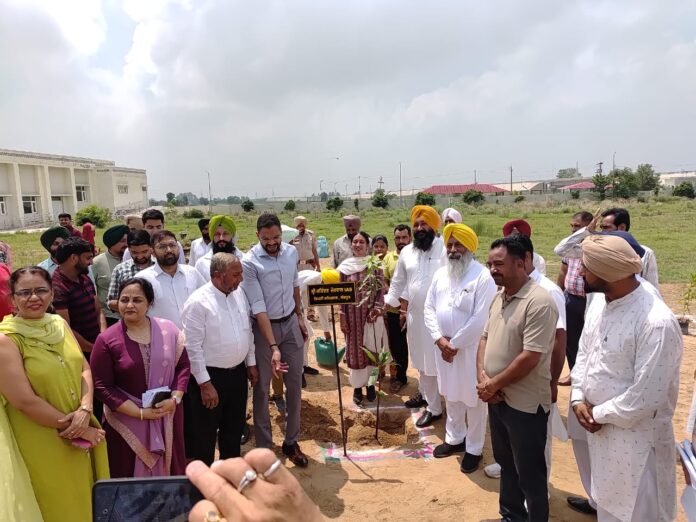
[245,434]
[427,419]
[371,393]
[445,450]
[357,396]
[308,370]
[294,453]
[416,401]
[582,505]
[304,381]
[470,463]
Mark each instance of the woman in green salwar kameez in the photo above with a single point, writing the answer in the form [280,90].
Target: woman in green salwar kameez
[46,386]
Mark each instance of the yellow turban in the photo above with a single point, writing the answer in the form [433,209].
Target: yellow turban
[462,233]
[429,215]
[300,219]
[610,257]
[330,275]
[225,222]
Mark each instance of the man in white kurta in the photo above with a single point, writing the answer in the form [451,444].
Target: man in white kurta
[456,311]
[409,288]
[202,245]
[625,385]
[223,231]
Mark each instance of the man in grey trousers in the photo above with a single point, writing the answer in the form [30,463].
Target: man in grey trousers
[273,290]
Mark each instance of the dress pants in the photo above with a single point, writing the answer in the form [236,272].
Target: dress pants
[466,422]
[398,346]
[289,338]
[224,423]
[518,439]
[575,321]
[427,385]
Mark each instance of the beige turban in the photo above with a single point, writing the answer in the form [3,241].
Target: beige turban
[610,257]
[300,219]
[462,233]
[350,217]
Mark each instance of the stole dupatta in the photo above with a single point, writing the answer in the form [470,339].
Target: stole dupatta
[151,440]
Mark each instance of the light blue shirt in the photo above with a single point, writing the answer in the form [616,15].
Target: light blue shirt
[50,266]
[269,282]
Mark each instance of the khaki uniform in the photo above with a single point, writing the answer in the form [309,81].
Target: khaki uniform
[306,245]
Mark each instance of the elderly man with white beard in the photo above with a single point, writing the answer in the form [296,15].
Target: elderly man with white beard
[456,311]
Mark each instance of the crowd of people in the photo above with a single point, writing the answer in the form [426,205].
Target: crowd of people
[137,362]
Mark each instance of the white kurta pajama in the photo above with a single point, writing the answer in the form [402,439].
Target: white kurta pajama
[411,281]
[459,310]
[628,368]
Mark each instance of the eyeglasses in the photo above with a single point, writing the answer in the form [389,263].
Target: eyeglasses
[166,246]
[40,292]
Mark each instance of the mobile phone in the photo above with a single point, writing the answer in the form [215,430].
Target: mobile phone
[161,396]
[155,499]
[81,443]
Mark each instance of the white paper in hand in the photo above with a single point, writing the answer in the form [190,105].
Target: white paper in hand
[149,395]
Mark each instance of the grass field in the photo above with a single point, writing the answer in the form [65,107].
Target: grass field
[669,228]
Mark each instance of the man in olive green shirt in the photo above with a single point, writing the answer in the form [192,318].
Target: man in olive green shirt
[103,266]
[514,374]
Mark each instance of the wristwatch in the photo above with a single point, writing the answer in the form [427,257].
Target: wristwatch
[86,408]
[177,399]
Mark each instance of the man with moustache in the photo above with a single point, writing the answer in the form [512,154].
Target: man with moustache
[625,385]
[408,289]
[342,247]
[141,258]
[153,222]
[115,239]
[220,345]
[223,229]
[51,239]
[514,374]
[171,281]
[398,342]
[456,311]
[202,245]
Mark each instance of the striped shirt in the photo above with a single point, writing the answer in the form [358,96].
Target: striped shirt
[574,283]
[79,299]
[122,273]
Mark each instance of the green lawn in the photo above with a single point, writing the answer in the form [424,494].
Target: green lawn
[667,227]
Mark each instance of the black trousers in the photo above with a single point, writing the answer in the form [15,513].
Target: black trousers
[575,321]
[224,423]
[398,346]
[518,441]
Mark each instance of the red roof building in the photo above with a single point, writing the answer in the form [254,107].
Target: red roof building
[452,190]
[583,185]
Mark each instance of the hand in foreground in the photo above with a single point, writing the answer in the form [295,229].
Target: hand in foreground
[303,329]
[79,422]
[447,351]
[277,495]
[165,406]
[583,412]
[277,366]
[487,391]
[209,395]
[252,375]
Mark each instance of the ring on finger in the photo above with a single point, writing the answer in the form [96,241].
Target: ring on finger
[212,516]
[249,477]
[272,468]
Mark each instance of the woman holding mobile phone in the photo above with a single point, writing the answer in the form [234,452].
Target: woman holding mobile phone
[137,354]
[46,391]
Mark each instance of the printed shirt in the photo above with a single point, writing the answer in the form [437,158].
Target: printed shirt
[574,283]
[121,273]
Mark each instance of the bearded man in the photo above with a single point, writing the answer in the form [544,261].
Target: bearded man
[456,311]
[408,290]
[223,230]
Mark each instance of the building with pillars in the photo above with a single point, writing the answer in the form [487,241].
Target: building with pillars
[36,187]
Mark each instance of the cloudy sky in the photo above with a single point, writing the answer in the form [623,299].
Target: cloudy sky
[266,95]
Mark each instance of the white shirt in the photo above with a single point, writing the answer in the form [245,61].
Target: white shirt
[198,250]
[412,278]
[459,310]
[556,293]
[203,264]
[171,292]
[218,331]
[628,367]
[182,259]
[539,263]
[649,272]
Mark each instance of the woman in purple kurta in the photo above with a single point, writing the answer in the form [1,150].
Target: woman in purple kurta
[135,355]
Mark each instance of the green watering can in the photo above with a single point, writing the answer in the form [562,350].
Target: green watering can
[326,356]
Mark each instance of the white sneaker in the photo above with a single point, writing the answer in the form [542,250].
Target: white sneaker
[492,470]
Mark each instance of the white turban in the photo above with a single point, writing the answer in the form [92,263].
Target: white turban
[452,214]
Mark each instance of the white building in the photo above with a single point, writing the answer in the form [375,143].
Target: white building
[36,187]
[672,179]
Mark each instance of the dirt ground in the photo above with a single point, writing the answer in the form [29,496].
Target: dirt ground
[397,479]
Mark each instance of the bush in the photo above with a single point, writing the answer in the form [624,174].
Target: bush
[380,199]
[575,194]
[334,203]
[425,199]
[99,216]
[684,190]
[356,204]
[247,205]
[519,199]
[474,197]
[170,212]
[194,213]
[290,205]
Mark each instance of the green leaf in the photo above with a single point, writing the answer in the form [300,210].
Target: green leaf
[370,355]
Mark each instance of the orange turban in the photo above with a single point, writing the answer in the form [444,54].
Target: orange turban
[462,233]
[610,257]
[520,224]
[428,214]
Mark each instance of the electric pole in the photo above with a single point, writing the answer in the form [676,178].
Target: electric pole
[599,167]
[613,161]
[210,196]
[475,182]
[510,179]
[401,195]
[380,182]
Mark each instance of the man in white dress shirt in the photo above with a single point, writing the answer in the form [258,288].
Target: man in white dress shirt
[408,289]
[224,230]
[220,346]
[172,282]
[456,311]
[202,245]
[625,385]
